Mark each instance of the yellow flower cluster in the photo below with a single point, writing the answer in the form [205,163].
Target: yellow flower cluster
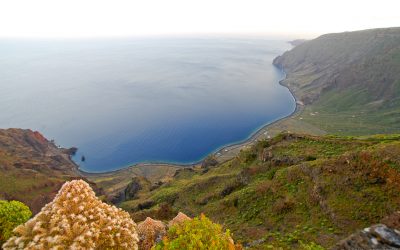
[76,219]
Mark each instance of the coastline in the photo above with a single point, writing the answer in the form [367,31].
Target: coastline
[223,153]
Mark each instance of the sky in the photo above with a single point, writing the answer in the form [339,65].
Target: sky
[121,18]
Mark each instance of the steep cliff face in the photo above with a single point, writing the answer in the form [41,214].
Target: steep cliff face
[348,74]
[32,168]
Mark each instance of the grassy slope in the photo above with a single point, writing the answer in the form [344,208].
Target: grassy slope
[307,188]
[351,79]
[346,113]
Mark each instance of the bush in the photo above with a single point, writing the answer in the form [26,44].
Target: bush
[199,233]
[12,214]
[76,219]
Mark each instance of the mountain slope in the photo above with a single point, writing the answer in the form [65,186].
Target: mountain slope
[32,169]
[289,189]
[349,82]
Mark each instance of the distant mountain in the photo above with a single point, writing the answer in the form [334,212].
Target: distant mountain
[351,79]
[297,42]
[32,168]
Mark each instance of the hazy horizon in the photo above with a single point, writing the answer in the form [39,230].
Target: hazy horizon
[106,19]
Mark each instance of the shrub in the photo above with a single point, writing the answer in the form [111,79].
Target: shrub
[76,219]
[12,214]
[199,233]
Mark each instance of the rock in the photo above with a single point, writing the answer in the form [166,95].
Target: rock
[72,151]
[386,235]
[375,237]
[150,233]
[181,217]
[146,205]
[132,189]
[267,154]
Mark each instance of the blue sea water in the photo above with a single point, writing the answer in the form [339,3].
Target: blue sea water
[125,101]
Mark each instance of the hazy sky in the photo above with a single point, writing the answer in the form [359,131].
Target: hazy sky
[103,18]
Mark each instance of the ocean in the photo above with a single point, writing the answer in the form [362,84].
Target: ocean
[127,101]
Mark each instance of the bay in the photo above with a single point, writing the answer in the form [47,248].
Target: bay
[125,101]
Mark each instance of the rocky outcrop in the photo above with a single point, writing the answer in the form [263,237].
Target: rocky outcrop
[150,233]
[375,237]
[180,218]
[133,188]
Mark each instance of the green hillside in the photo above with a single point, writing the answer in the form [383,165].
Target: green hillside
[288,190]
[291,191]
[349,82]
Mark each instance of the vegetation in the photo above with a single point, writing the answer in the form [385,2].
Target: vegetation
[12,214]
[199,233]
[76,219]
[291,191]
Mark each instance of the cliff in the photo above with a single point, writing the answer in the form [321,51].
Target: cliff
[32,168]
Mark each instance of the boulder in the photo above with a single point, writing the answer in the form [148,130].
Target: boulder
[150,233]
[375,237]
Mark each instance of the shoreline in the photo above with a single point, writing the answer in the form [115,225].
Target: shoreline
[224,153]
